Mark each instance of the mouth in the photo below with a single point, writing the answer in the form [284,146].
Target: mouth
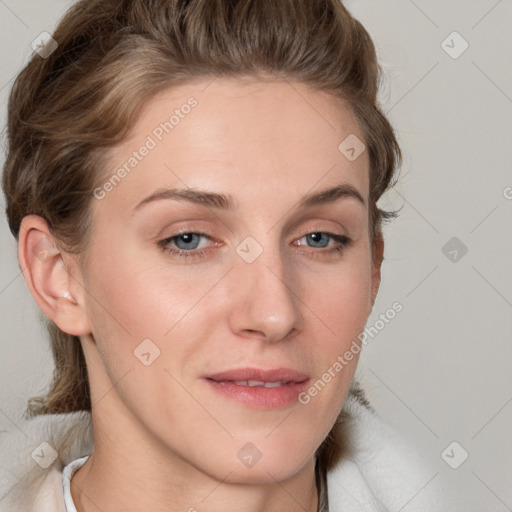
[259,389]
[259,377]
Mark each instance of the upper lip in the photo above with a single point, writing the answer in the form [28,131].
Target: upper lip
[272,375]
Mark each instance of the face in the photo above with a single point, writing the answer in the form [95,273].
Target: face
[210,273]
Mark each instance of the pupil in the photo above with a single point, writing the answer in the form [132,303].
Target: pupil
[316,238]
[184,240]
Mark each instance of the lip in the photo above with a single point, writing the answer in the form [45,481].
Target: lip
[292,382]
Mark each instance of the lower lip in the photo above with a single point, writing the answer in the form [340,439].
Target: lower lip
[260,397]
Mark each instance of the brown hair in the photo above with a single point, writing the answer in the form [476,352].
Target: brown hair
[66,110]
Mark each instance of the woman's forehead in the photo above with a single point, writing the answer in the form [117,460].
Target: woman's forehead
[227,134]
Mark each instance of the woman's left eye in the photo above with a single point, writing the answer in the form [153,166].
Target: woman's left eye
[320,240]
[186,245]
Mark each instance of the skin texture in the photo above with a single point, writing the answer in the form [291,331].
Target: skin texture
[163,439]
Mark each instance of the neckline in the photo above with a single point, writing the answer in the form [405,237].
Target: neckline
[67,473]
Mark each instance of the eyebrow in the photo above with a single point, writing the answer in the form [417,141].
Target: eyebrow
[226,202]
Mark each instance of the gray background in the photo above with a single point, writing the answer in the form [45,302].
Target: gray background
[439,372]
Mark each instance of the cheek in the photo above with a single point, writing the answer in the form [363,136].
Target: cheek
[131,300]
[340,311]
[341,307]
[341,298]
[139,297]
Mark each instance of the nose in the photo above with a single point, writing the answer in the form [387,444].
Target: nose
[265,299]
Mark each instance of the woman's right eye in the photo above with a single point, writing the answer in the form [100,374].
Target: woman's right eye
[186,243]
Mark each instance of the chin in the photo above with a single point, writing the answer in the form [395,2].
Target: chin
[240,461]
[271,462]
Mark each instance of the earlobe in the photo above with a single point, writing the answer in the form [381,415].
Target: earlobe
[48,277]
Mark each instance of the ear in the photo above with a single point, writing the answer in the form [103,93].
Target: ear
[48,276]
[377,257]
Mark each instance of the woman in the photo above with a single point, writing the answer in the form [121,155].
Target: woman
[194,186]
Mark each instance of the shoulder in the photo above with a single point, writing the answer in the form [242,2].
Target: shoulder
[34,454]
[380,471]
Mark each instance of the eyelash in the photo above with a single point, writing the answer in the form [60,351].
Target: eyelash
[342,242]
